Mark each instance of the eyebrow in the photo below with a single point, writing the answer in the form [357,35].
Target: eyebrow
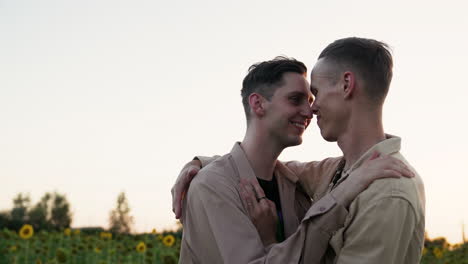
[298,93]
[302,94]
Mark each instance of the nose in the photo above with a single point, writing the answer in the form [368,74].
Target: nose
[306,111]
[314,108]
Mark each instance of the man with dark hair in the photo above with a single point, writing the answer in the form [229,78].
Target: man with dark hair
[217,227]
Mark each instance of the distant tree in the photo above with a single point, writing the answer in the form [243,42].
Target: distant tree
[5,219]
[39,215]
[19,212]
[120,220]
[60,215]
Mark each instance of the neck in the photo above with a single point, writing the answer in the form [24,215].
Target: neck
[261,152]
[363,132]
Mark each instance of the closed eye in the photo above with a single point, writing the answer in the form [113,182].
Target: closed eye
[296,100]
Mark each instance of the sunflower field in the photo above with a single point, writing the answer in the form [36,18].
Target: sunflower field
[439,251]
[75,247]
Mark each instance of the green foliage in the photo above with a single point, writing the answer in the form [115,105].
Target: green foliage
[439,251]
[75,247]
[120,220]
[39,215]
[51,212]
[60,216]
[18,214]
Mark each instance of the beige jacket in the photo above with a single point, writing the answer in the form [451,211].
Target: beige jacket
[385,223]
[217,228]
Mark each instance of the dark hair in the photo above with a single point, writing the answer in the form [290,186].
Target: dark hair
[370,58]
[265,77]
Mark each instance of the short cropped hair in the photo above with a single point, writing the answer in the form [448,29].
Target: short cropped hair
[370,58]
[265,77]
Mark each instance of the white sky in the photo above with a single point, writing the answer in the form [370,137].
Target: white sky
[97,97]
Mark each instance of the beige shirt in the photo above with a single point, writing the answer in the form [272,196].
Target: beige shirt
[385,223]
[217,228]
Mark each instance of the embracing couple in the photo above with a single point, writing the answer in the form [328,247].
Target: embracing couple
[367,206]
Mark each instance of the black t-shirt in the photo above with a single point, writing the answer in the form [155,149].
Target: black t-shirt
[270,188]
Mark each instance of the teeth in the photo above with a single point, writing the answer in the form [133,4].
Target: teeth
[299,125]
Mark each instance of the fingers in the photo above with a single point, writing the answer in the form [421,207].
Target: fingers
[248,196]
[180,189]
[390,174]
[393,167]
[405,170]
[400,168]
[374,155]
[175,201]
[388,162]
[272,207]
[258,190]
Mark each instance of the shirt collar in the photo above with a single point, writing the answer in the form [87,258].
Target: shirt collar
[388,146]
[243,164]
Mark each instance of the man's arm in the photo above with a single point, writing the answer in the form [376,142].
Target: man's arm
[217,227]
[314,176]
[182,183]
[380,232]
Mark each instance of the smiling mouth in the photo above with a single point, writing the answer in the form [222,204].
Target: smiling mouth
[299,125]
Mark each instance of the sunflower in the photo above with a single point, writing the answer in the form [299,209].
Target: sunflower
[168,240]
[154,231]
[76,232]
[105,235]
[26,232]
[67,231]
[98,250]
[438,253]
[141,247]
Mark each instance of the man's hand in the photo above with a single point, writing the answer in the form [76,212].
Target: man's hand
[261,211]
[376,167]
[182,184]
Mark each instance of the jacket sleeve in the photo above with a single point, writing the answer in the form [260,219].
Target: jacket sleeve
[379,232]
[314,176]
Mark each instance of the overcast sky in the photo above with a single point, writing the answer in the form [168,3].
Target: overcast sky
[98,97]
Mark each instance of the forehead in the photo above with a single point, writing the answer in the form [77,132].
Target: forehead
[323,71]
[293,82]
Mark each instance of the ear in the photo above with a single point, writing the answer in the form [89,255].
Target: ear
[256,102]
[349,84]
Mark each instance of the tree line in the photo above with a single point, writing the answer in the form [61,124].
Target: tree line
[53,212]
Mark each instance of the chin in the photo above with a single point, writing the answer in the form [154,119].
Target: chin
[291,142]
[295,142]
[328,137]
